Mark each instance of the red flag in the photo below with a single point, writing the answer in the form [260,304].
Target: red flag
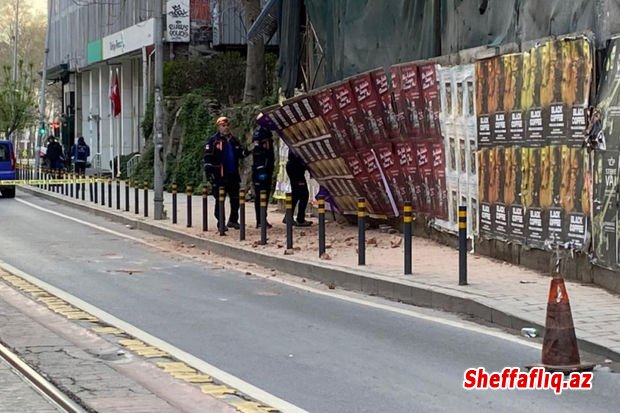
[115,96]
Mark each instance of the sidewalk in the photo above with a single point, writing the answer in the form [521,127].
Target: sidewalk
[498,292]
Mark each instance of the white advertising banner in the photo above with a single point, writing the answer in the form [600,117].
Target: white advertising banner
[129,40]
[458,126]
[177,21]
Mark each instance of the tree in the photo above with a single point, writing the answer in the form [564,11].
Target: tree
[17,99]
[31,33]
[255,61]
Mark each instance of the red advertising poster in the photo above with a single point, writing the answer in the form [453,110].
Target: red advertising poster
[439,192]
[391,168]
[432,104]
[367,188]
[335,121]
[371,107]
[388,111]
[399,102]
[381,194]
[354,120]
[425,176]
[411,100]
[407,162]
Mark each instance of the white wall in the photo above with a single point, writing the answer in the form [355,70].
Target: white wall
[95,100]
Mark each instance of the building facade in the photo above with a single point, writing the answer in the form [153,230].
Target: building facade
[102,52]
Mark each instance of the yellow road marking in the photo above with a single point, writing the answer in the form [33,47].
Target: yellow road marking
[216,389]
[252,407]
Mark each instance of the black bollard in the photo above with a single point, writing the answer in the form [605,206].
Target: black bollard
[205,208]
[361,229]
[321,201]
[462,245]
[241,215]
[109,193]
[96,197]
[220,207]
[94,190]
[127,186]
[146,199]
[188,191]
[289,220]
[407,229]
[118,194]
[65,186]
[136,197]
[71,185]
[174,203]
[83,188]
[102,193]
[263,217]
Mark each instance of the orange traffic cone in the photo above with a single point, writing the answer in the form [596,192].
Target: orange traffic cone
[560,351]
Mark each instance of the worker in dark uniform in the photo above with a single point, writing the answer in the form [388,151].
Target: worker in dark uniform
[263,160]
[221,164]
[296,171]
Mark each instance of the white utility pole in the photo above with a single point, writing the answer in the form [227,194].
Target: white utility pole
[158,133]
[39,137]
[15,38]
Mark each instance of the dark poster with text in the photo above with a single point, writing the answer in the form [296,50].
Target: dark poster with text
[345,98]
[407,161]
[431,101]
[439,192]
[605,225]
[334,119]
[388,111]
[411,100]
[391,168]
[371,108]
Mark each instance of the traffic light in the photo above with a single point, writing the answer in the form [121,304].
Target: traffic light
[42,130]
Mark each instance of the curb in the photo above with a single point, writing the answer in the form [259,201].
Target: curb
[446,299]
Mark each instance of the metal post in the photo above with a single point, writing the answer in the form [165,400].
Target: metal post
[71,185]
[96,191]
[361,229]
[407,224]
[205,208]
[158,167]
[118,194]
[136,197]
[127,186]
[174,203]
[263,217]
[83,188]
[462,245]
[102,192]
[146,199]
[188,191]
[40,135]
[241,215]
[289,220]
[63,186]
[321,202]
[220,204]
[109,193]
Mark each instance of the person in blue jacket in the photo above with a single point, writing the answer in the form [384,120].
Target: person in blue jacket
[221,165]
[79,155]
[263,161]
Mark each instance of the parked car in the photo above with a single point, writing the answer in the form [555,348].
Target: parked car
[7,168]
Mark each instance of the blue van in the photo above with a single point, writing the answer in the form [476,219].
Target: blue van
[7,168]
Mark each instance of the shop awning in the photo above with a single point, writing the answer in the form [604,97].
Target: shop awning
[58,72]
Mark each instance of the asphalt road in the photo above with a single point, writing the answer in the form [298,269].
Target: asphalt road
[318,352]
